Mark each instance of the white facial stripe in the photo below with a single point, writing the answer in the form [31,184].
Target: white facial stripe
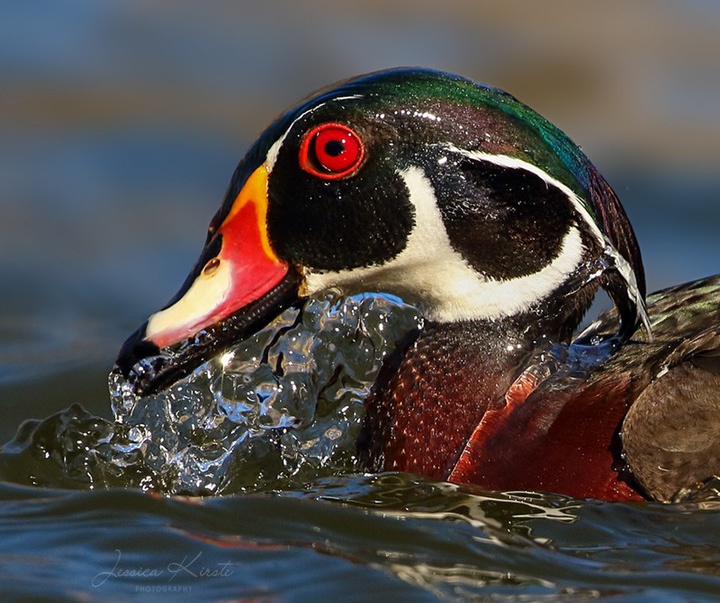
[621,263]
[514,162]
[274,150]
[430,270]
[628,276]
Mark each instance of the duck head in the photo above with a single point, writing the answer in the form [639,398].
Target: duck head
[448,193]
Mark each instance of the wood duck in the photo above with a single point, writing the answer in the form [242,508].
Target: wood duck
[457,197]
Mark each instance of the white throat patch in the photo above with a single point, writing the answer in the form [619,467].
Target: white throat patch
[430,271]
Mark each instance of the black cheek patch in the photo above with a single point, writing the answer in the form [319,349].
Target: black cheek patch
[506,222]
[363,220]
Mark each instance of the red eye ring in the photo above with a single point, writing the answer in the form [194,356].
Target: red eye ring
[331,151]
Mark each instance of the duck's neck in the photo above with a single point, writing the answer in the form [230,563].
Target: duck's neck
[426,407]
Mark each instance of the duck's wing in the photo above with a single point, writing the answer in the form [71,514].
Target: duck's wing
[671,435]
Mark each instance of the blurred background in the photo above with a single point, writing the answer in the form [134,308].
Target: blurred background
[121,122]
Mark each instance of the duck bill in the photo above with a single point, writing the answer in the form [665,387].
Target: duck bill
[237,286]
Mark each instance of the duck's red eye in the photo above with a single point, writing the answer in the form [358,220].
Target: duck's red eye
[331,151]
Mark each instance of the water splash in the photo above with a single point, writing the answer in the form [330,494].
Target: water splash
[285,404]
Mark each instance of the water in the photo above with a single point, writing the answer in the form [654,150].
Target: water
[120,123]
[282,407]
[357,538]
